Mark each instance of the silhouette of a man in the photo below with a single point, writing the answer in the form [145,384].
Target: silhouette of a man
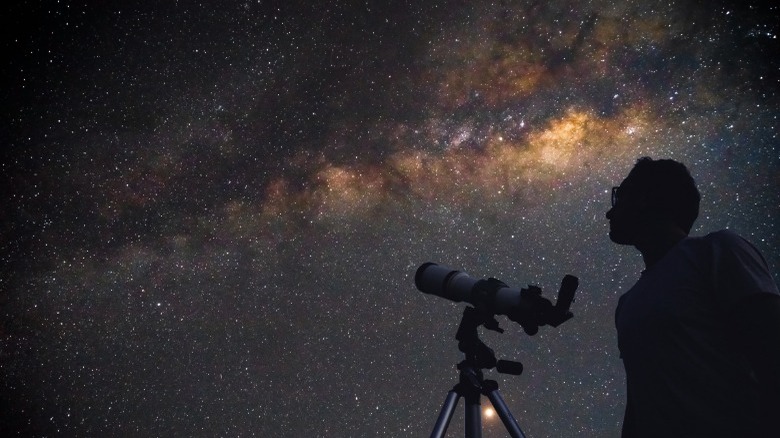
[699,332]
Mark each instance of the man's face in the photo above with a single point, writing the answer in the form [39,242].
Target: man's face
[627,215]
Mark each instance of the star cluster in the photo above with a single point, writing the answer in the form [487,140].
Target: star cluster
[212,213]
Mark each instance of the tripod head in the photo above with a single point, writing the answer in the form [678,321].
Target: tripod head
[478,355]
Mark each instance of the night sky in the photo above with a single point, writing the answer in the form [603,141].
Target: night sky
[212,212]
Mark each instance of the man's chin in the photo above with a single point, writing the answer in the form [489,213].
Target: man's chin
[620,239]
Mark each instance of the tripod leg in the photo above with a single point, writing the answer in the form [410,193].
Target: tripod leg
[473,415]
[503,412]
[447,409]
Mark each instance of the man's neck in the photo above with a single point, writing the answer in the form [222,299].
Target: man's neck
[655,248]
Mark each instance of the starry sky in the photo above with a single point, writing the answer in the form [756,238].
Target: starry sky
[212,212]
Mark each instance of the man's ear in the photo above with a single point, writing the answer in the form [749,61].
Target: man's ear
[648,210]
[656,215]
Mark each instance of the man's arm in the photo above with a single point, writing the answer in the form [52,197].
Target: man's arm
[757,319]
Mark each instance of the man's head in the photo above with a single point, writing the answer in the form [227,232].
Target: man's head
[656,195]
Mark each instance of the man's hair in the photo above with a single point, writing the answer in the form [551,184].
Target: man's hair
[669,188]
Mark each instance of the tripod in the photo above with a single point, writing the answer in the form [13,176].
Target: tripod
[471,384]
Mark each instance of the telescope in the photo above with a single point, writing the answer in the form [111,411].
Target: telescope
[524,306]
[488,297]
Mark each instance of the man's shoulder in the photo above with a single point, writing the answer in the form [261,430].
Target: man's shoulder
[727,245]
[726,238]
[724,234]
[723,243]
[708,242]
